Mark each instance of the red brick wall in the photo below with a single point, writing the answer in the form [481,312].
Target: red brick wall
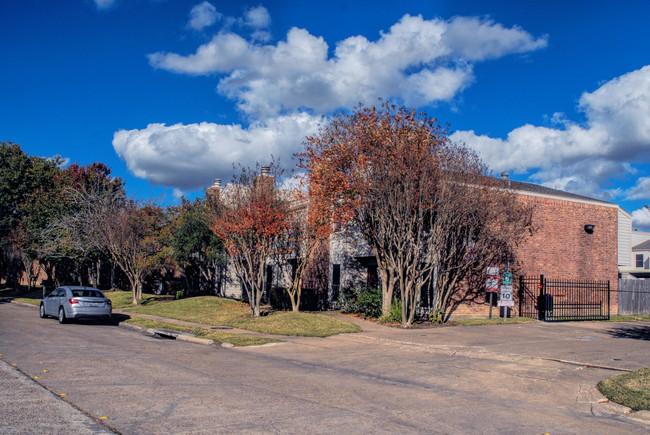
[561,249]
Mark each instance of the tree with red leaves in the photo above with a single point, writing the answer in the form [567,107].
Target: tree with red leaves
[422,203]
[252,218]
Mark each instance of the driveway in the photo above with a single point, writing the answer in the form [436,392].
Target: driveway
[533,378]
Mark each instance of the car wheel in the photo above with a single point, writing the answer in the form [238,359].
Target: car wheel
[62,318]
[41,311]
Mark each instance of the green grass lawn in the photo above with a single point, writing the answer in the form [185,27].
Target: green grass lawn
[212,310]
[479,321]
[631,389]
[121,299]
[629,318]
[217,336]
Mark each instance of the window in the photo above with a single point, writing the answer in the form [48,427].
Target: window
[336,281]
[639,261]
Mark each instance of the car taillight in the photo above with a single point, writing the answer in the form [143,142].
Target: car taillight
[108,301]
[73,301]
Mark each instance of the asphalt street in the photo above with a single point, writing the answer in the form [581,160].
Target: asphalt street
[533,378]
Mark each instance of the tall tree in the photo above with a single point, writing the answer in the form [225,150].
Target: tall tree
[194,246]
[393,174]
[72,235]
[251,218]
[22,177]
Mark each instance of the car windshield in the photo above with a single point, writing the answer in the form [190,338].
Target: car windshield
[87,293]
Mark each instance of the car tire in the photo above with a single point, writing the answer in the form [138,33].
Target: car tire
[41,311]
[62,318]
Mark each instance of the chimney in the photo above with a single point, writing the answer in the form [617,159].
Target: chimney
[266,170]
[215,189]
[504,175]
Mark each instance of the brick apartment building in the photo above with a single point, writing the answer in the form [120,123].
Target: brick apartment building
[575,238]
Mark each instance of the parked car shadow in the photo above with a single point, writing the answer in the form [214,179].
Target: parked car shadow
[640,332]
[116,319]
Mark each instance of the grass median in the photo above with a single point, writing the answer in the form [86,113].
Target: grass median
[631,389]
[211,310]
[216,336]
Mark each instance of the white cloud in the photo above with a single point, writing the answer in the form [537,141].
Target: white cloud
[191,156]
[641,190]
[257,18]
[203,15]
[580,158]
[104,4]
[641,219]
[417,61]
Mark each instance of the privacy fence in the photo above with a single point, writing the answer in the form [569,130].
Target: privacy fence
[634,297]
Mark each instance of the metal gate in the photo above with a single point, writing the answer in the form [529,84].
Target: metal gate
[561,300]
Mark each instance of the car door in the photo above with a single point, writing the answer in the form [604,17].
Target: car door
[51,302]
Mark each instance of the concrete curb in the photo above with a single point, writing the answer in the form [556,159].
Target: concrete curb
[183,336]
[24,304]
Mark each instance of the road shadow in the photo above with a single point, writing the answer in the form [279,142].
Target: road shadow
[640,332]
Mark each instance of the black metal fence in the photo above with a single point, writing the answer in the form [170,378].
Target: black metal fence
[558,300]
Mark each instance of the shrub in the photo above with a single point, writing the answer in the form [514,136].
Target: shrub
[369,301]
[179,294]
[348,300]
[395,315]
[436,316]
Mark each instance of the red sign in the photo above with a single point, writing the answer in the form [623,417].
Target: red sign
[492,284]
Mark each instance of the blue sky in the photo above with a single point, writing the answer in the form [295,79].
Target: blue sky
[171,93]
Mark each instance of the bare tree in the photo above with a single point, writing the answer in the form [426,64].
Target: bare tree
[306,233]
[127,229]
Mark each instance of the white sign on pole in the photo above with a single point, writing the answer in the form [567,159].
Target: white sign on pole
[505,296]
[492,271]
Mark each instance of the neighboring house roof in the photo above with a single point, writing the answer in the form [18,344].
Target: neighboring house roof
[645,246]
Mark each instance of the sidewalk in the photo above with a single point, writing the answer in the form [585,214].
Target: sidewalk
[34,409]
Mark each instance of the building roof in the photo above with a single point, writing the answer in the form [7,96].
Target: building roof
[523,186]
[645,246]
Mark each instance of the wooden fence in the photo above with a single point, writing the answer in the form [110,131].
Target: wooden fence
[634,297]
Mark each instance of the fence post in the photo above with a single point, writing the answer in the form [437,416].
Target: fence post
[521,292]
[541,308]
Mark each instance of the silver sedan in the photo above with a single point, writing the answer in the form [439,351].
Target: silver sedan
[72,302]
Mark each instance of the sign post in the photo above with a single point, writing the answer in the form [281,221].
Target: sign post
[492,283]
[505,299]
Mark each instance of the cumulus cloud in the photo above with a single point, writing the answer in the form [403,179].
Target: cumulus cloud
[641,219]
[580,158]
[257,18]
[417,61]
[641,190]
[203,15]
[189,157]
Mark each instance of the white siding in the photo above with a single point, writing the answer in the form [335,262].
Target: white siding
[624,238]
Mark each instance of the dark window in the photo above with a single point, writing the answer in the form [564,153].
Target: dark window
[373,277]
[269,277]
[639,261]
[336,281]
